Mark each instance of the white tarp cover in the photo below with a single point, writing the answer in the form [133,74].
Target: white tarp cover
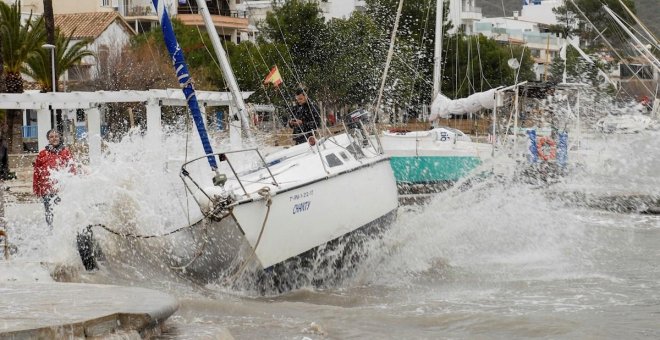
[442,106]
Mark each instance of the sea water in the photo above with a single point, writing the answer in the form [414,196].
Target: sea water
[499,258]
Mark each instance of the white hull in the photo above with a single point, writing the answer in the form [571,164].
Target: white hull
[309,216]
[309,209]
[436,142]
[434,159]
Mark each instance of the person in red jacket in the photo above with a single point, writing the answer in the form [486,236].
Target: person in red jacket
[54,156]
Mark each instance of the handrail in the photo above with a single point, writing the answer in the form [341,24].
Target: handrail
[223,156]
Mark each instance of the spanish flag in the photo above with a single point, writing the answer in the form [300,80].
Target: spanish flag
[273,77]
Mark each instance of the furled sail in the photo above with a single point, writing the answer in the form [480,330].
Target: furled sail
[176,53]
[442,106]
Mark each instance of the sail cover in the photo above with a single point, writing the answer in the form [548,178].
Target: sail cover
[442,106]
[179,62]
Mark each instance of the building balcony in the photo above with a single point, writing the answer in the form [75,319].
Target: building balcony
[222,18]
[471,13]
[140,11]
[213,11]
[218,21]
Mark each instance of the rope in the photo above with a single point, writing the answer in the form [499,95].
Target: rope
[198,253]
[140,236]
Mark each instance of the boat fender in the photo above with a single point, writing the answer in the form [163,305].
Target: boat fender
[86,247]
[552,154]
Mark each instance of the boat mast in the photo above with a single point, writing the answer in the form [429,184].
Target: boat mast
[179,62]
[225,67]
[390,53]
[607,42]
[644,51]
[437,55]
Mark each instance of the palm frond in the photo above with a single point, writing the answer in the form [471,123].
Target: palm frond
[20,38]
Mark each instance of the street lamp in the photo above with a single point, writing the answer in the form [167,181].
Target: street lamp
[52,63]
[52,69]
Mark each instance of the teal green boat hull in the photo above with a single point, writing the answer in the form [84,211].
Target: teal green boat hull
[432,169]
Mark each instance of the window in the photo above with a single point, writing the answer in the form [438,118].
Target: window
[106,3]
[333,160]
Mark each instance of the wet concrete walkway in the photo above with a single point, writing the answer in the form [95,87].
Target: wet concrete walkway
[54,310]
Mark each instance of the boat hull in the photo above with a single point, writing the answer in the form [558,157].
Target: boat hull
[432,169]
[298,221]
[437,157]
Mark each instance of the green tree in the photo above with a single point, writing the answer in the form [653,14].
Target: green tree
[67,55]
[476,63]
[20,39]
[416,36]
[355,51]
[577,69]
[593,9]
[49,21]
[197,48]
[299,27]
[567,22]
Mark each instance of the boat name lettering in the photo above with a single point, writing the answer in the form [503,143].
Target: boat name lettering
[301,195]
[301,207]
[444,136]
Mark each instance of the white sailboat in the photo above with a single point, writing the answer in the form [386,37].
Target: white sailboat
[290,208]
[442,155]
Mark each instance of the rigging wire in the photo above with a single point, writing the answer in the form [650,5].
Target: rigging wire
[417,74]
[390,52]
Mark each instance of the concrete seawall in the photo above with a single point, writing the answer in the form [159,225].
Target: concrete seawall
[73,310]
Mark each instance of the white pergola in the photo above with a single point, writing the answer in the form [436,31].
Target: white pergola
[92,101]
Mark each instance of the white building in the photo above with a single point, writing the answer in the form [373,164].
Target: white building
[463,14]
[108,31]
[256,12]
[540,11]
[529,28]
[341,9]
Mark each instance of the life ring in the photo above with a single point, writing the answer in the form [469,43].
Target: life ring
[543,141]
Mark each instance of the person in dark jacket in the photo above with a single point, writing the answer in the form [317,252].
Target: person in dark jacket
[306,119]
[53,157]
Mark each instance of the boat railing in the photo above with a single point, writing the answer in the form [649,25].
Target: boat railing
[220,179]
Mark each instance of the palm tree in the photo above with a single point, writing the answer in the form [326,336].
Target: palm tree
[67,55]
[19,41]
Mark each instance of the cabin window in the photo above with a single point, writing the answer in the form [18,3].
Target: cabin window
[333,160]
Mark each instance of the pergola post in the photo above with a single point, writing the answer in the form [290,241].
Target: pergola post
[43,125]
[154,130]
[94,134]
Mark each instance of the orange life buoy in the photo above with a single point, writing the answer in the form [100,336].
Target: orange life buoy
[543,141]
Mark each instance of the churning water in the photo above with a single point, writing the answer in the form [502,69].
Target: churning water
[497,259]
